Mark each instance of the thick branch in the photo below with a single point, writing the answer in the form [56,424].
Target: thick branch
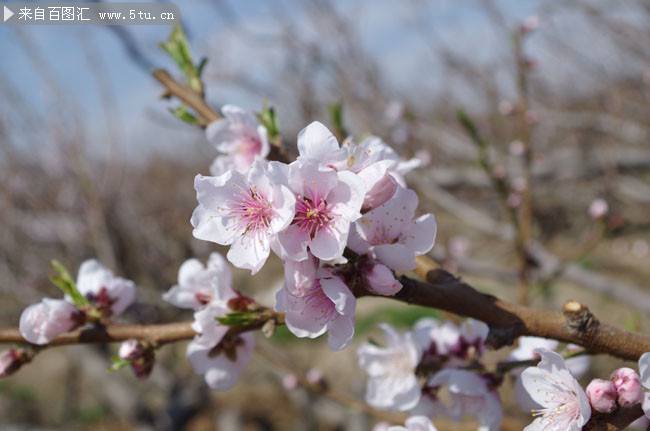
[576,324]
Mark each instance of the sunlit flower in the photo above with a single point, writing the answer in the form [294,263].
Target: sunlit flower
[390,234]
[392,382]
[564,405]
[244,211]
[327,202]
[198,285]
[240,138]
[316,301]
[110,294]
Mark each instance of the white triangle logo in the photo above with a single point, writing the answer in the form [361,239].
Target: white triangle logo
[7,13]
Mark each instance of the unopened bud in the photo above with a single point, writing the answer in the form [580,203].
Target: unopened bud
[628,386]
[314,376]
[598,208]
[289,382]
[529,25]
[602,395]
[140,356]
[11,360]
[130,350]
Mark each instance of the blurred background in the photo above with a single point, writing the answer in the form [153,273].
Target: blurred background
[92,164]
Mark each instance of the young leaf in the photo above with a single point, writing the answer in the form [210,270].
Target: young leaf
[269,119]
[178,49]
[239,318]
[118,363]
[64,281]
[184,115]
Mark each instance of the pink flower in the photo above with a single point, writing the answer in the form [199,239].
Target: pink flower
[376,164]
[469,395]
[315,301]
[111,294]
[244,211]
[41,323]
[391,236]
[602,395]
[215,354]
[327,202]
[415,423]
[198,285]
[240,137]
[564,405]
[392,382]
[628,386]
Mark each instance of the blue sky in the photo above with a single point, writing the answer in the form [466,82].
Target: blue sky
[384,26]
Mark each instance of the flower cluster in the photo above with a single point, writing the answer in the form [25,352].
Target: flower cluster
[412,371]
[340,218]
[216,353]
[97,296]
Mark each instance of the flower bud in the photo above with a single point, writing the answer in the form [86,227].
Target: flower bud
[382,281]
[380,193]
[628,386]
[598,209]
[41,323]
[289,382]
[130,350]
[602,395]
[11,360]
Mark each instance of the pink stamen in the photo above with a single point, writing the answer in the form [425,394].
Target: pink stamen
[253,211]
[312,214]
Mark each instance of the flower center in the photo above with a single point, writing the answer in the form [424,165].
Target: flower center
[311,215]
[253,211]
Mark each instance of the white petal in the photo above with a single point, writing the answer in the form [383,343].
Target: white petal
[284,206]
[249,251]
[340,332]
[644,369]
[421,235]
[347,197]
[339,294]
[316,142]
[92,277]
[329,242]
[292,243]
[395,256]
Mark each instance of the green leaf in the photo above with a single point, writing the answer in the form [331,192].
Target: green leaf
[336,114]
[178,49]
[64,281]
[238,318]
[182,113]
[269,119]
[201,66]
[118,363]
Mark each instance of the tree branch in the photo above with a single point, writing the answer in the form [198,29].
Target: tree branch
[188,96]
[507,321]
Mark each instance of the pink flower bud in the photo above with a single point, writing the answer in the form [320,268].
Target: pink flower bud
[530,24]
[130,350]
[598,208]
[628,386]
[11,360]
[602,395]
[516,148]
[314,376]
[289,382]
[382,281]
[41,323]
[506,108]
[380,193]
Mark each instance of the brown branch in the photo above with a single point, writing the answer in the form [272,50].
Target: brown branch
[507,321]
[188,96]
